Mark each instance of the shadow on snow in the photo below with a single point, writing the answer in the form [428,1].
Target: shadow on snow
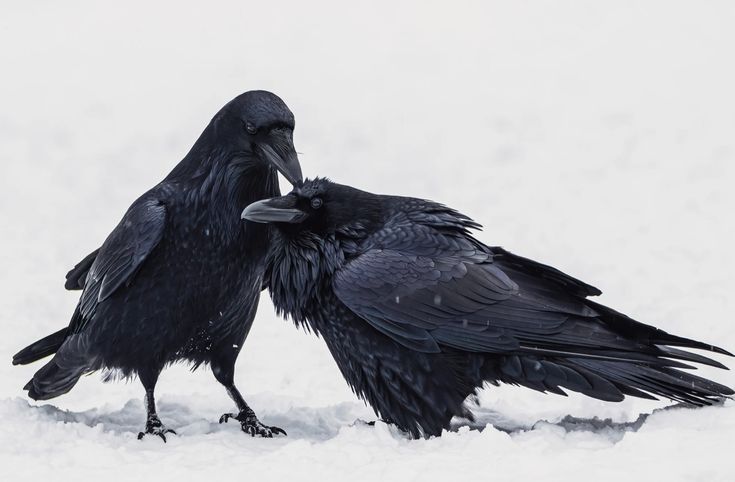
[316,424]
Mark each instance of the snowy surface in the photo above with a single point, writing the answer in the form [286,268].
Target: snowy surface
[597,137]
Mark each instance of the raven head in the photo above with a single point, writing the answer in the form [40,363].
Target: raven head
[318,226]
[322,208]
[262,124]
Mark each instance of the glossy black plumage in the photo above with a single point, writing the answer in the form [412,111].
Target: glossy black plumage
[180,276]
[418,314]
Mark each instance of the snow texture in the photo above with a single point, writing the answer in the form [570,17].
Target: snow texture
[594,136]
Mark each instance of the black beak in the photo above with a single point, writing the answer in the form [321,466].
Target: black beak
[274,210]
[279,151]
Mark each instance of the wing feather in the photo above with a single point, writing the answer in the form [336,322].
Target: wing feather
[122,254]
[425,282]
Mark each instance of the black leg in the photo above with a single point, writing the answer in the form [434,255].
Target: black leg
[224,373]
[153,424]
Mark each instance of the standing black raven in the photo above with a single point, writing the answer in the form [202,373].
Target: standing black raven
[179,278]
[418,314]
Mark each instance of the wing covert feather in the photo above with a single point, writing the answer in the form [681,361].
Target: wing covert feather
[123,253]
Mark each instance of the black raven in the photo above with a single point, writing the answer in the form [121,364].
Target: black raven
[179,278]
[418,314]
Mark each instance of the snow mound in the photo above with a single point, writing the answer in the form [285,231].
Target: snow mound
[329,443]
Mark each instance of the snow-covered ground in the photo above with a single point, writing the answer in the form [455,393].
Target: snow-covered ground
[595,136]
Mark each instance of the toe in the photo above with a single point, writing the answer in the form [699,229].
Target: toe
[278,431]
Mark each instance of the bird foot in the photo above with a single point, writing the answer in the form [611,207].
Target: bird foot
[154,427]
[251,425]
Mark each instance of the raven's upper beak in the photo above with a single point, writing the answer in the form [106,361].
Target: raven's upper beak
[274,210]
[279,151]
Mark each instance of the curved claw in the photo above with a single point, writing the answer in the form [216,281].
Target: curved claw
[155,427]
[254,427]
[160,434]
[278,431]
[225,417]
[250,424]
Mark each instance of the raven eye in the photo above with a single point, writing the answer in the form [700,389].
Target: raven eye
[316,203]
[252,130]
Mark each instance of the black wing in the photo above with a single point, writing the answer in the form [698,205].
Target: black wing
[77,276]
[122,254]
[425,282]
[428,285]
[518,266]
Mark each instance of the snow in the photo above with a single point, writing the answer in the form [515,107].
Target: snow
[596,137]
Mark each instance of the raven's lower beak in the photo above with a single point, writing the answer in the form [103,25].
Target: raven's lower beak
[274,210]
[279,151]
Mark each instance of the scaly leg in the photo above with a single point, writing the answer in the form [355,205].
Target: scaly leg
[153,424]
[224,373]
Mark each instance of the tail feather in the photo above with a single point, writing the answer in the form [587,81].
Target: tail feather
[635,330]
[661,381]
[621,357]
[673,340]
[53,380]
[669,352]
[42,348]
[612,379]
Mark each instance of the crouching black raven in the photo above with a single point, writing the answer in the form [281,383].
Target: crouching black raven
[418,314]
[180,276]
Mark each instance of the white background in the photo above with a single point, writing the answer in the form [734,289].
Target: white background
[595,136]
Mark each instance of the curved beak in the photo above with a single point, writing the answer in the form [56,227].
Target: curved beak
[274,210]
[279,150]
